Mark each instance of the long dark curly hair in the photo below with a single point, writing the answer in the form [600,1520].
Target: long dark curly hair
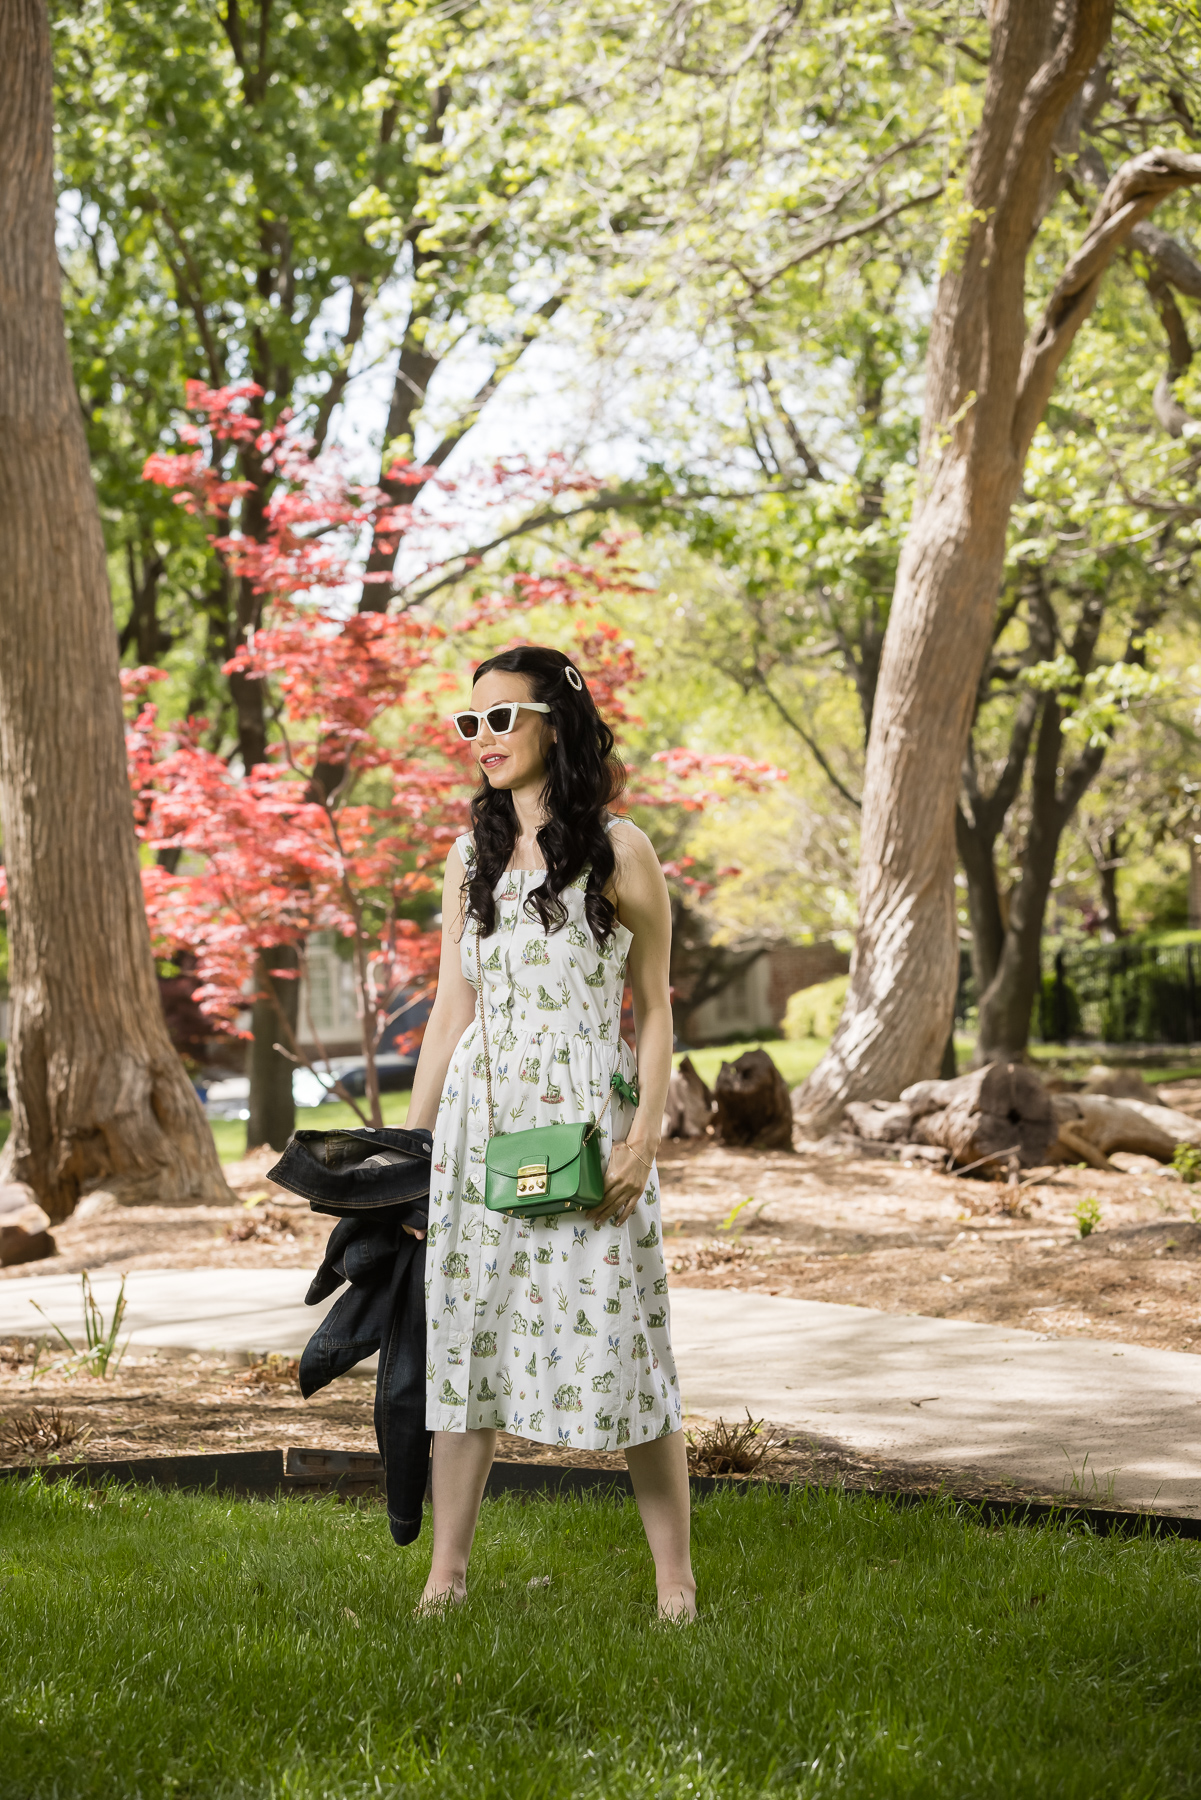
[584,777]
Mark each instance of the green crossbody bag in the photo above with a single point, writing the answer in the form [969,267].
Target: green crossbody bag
[551,1168]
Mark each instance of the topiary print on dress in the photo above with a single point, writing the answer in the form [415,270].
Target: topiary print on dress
[502,1346]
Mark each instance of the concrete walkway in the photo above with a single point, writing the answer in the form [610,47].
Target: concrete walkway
[1112,1423]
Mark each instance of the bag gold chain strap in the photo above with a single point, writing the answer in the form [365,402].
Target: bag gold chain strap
[479,971]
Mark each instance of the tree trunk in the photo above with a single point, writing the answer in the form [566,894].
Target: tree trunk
[1108,857]
[1055,793]
[980,817]
[1006,1005]
[986,390]
[100,1099]
[272,1110]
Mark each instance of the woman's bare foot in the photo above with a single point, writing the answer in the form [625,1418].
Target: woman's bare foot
[678,1602]
[441,1595]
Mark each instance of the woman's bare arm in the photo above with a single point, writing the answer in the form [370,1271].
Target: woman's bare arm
[643,906]
[453,1009]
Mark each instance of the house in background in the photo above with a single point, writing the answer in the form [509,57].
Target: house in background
[760,980]
[328,1015]
[329,1020]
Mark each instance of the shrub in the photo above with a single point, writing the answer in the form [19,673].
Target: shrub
[1186,1160]
[814,1011]
[1160,1004]
[1087,1214]
[1058,1011]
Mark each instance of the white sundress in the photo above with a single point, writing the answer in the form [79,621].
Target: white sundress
[554,1329]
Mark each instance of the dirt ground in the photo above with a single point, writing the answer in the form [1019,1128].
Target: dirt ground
[824,1223]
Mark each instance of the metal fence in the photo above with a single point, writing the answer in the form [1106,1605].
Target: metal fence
[1126,993]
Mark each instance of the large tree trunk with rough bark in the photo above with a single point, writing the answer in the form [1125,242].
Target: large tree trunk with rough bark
[987,386]
[100,1099]
[273,1021]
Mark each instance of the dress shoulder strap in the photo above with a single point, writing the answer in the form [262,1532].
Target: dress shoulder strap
[465,846]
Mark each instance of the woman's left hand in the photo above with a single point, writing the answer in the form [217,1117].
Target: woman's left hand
[625,1183]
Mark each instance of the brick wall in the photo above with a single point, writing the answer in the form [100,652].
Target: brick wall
[791,967]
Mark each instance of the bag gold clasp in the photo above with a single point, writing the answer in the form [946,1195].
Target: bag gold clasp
[531,1179]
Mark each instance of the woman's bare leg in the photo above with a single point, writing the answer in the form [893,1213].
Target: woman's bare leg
[461,1462]
[659,1472]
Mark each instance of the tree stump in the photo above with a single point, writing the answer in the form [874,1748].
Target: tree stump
[24,1236]
[688,1110]
[753,1104]
[987,1113]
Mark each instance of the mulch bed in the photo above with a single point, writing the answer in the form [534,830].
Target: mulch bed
[162,1406]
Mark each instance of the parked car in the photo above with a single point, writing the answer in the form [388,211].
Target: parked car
[228,1099]
[314,1087]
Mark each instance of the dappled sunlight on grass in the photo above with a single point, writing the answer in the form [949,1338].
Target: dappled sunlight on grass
[160,1643]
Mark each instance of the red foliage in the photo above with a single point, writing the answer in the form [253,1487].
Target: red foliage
[347,825]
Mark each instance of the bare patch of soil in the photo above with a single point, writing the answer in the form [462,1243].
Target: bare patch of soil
[159,1405]
[280,1233]
[861,1231]
[821,1224]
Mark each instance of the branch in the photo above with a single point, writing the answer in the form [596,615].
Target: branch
[503,366]
[831,242]
[192,297]
[1167,409]
[350,342]
[810,743]
[1168,258]
[806,456]
[607,500]
[1134,192]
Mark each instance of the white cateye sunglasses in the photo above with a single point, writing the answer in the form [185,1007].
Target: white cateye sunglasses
[500,720]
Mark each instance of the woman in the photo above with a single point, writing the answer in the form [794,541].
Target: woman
[555,1328]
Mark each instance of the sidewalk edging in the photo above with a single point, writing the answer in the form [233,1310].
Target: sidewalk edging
[308,1473]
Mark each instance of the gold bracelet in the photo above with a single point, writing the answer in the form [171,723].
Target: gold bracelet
[646,1165]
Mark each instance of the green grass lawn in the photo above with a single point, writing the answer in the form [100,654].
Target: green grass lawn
[230,1134]
[795,1058]
[193,1647]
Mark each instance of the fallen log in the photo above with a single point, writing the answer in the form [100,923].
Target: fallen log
[1179,1126]
[1098,1123]
[688,1109]
[753,1103]
[880,1121]
[982,1116]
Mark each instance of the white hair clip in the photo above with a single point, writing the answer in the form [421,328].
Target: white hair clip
[574,678]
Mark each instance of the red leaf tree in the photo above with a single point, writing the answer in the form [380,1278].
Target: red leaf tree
[345,826]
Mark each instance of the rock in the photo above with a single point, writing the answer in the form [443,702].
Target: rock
[753,1103]
[20,1246]
[24,1227]
[1129,1162]
[1119,1084]
[96,1206]
[15,1196]
[688,1110]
